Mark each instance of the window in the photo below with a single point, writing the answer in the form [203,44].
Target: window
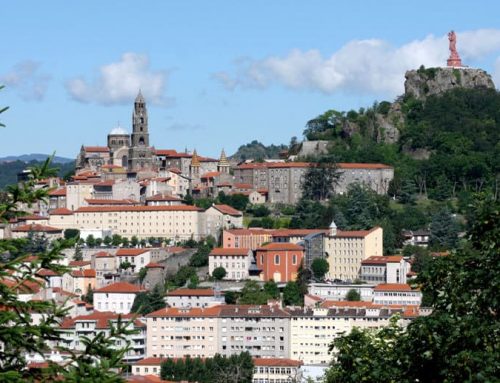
[294,259]
[277,259]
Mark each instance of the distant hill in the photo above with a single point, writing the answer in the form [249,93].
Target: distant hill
[258,151]
[10,169]
[35,157]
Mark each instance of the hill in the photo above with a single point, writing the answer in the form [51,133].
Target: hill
[258,151]
[10,169]
[36,157]
[442,136]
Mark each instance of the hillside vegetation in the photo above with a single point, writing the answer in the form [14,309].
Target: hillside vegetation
[9,170]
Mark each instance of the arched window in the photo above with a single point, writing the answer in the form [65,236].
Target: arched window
[141,140]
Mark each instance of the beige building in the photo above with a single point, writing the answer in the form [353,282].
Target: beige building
[117,297]
[106,267]
[246,238]
[222,217]
[276,370]
[177,332]
[62,218]
[173,222]
[77,192]
[345,250]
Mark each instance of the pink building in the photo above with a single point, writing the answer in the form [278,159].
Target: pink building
[246,238]
[279,261]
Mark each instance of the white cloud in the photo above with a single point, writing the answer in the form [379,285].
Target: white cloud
[26,77]
[360,66]
[119,82]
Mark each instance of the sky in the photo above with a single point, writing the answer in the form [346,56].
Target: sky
[217,74]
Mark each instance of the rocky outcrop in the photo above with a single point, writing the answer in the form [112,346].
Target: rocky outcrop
[424,82]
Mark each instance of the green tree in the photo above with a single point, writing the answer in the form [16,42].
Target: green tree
[319,268]
[116,240]
[125,242]
[90,241]
[271,289]
[71,233]
[194,281]
[219,273]
[142,273]
[89,297]
[230,297]
[252,294]
[292,295]
[444,231]
[353,295]
[320,180]
[78,253]
[459,341]
[107,241]
[134,241]
[147,302]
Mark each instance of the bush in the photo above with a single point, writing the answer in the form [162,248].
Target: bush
[219,273]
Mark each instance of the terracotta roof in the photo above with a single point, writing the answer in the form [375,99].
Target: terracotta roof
[102,319]
[393,287]
[58,192]
[196,312]
[298,232]
[210,175]
[280,246]
[96,149]
[32,217]
[207,159]
[87,273]
[243,186]
[79,263]
[97,209]
[36,228]
[111,166]
[97,201]
[357,165]
[253,165]
[229,251]
[106,183]
[277,362]
[175,249]
[191,292]
[174,170]
[59,290]
[355,233]
[377,260]
[131,252]
[166,152]
[246,311]
[147,379]
[61,211]
[163,197]
[26,287]
[355,304]
[47,273]
[151,361]
[153,265]
[250,231]
[289,165]
[226,209]
[120,287]
[103,254]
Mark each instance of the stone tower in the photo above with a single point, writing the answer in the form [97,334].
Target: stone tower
[223,165]
[194,169]
[140,153]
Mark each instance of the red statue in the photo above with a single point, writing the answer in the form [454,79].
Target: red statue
[454,59]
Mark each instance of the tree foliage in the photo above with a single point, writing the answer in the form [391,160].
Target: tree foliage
[149,301]
[219,273]
[319,268]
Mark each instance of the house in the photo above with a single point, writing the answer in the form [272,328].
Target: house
[79,281]
[92,324]
[106,268]
[117,297]
[276,370]
[246,238]
[235,261]
[385,269]
[138,258]
[222,217]
[23,231]
[416,237]
[194,298]
[279,261]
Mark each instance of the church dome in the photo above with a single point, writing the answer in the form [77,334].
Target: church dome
[118,131]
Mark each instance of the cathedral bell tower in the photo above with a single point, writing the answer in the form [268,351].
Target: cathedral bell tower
[140,153]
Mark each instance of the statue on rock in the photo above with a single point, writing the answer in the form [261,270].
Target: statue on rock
[454,59]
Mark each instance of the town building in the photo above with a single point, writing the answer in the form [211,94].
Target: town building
[416,237]
[246,238]
[279,261]
[338,291]
[100,322]
[194,298]
[276,370]
[385,269]
[222,217]
[396,294]
[117,297]
[236,262]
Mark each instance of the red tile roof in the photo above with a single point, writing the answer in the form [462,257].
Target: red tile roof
[175,249]
[153,265]
[191,292]
[103,254]
[253,165]
[47,273]
[276,362]
[111,166]
[355,233]
[165,152]
[147,379]
[96,149]
[99,209]
[59,290]
[102,319]
[243,186]
[298,232]
[36,228]
[163,197]
[289,165]
[97,201]
[87,273]
[356,165]
[210,175]
[131,252]
[229,251]
[79,263]
[151,361]
[58,192]
[196,312]
[378,260]
[250,231]
[26,287]
[32,217]
[280,246]
[61,211]
[226,209]
[120,287]
[174,170]
[392,287]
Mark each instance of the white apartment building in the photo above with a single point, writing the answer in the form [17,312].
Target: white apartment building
[117,297]
[338,291]
[276,370]
[347,249]
[385,269]
[97,322]
[176,332]
[194,298]
[236,262]
[396,294]
[139,258]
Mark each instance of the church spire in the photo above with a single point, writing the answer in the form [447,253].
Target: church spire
[223,165]
[195,160]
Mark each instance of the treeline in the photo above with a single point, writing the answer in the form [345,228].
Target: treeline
[10,170]
[258,151]
[456,135]
[237,368]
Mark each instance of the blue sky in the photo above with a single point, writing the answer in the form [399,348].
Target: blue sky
[217,73]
